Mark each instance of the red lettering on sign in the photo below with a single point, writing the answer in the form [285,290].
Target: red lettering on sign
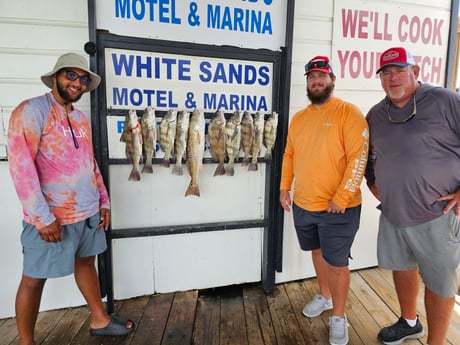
[415,30]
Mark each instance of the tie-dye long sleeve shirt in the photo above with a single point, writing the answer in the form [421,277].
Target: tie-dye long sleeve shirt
[54,180]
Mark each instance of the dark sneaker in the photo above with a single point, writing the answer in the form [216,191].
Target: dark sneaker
[400,331]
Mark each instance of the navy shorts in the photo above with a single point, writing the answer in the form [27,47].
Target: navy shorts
[52,260]
[334,233]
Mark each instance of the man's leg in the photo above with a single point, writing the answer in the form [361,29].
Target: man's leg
[88,283]
[321,269]
[339,283]
[28,300]
[407,285]
[438,311]
[333,282]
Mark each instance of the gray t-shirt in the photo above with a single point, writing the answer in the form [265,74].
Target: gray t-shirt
[416,162]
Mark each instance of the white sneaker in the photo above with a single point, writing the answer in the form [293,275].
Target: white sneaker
[316,306]
[338,330]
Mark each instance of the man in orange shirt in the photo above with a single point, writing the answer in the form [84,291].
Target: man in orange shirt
[325,156]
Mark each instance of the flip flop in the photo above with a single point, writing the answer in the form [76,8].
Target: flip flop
[116,327]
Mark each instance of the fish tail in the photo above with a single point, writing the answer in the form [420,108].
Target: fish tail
[178,170]
[220,170]
[230,170]
[192,190]
[134,175]
[253,167]
[147,168]
[268,155]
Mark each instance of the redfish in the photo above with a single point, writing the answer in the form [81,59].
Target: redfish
[132,137]
[195,150]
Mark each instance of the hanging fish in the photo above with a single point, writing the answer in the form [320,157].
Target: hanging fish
[195,150]
[233,137]
[168,135]
[149,138]
[247,136]
[180,143]
[216,132]
[257,142]
[132,137]
[270,127]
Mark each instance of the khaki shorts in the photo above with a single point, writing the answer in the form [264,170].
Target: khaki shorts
[52,260]
[432,247]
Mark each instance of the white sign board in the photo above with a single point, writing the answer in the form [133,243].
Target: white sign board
[241,23]
[137,79]
[364,29]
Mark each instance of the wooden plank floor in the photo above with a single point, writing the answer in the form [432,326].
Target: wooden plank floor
[238,315]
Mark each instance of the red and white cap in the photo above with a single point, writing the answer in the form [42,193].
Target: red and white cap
[396,56]
[319,63]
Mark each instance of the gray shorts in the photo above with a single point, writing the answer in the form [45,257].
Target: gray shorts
[432,247]
[52,260]
[334,233]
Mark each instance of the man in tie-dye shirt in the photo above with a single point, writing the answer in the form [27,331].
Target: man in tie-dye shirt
[65,203]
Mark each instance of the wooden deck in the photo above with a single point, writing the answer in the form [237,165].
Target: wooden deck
[238,315]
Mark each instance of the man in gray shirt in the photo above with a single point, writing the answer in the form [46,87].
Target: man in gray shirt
[414,170]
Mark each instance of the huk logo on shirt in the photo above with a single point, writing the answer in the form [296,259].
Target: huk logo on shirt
[78,133]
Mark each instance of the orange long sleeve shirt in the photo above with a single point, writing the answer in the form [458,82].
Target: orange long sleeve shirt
[326,155]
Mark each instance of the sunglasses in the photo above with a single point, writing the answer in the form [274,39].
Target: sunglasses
[410,117]
[72,76]
[316,64]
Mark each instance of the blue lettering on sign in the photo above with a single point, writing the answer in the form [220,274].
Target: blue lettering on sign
[267,2]
[137,97]
[238,19]
[163,11]
[234,102]
[234,73]
[131,65]
[120,125]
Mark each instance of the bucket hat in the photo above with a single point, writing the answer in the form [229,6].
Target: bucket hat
[74,61]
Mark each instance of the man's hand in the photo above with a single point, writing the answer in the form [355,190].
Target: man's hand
[51,233]
[105,219]
[334,208]
[285,200]
[453,203]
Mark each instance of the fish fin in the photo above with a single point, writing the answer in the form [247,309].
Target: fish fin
[253,167]
[147,168]
[220,170]
[230,171]
[134,175]
[178,170]
[192,190]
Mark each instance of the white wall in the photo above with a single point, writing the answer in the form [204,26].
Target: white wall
[34,34]
[313,35]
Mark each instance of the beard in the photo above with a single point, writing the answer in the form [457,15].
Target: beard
[320,97]
[397,94]
[65,95]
